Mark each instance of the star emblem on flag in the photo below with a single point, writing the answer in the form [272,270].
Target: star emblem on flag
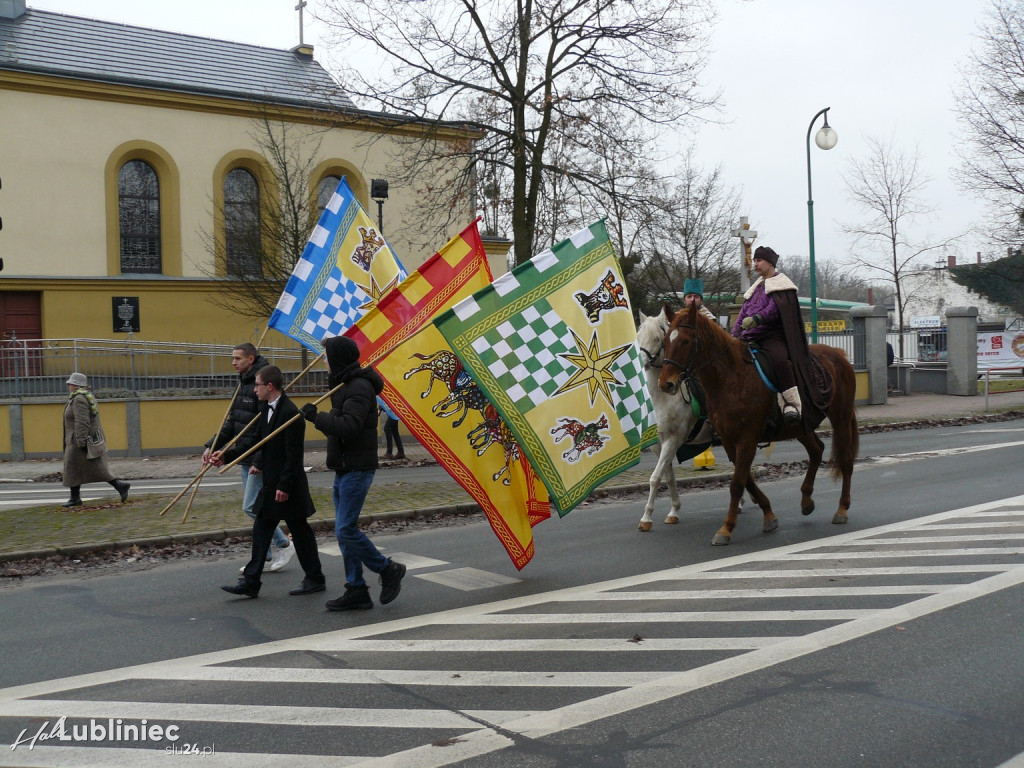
[376,292]
[593,368]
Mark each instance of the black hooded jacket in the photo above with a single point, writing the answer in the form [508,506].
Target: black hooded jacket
[351,424]
[244,409]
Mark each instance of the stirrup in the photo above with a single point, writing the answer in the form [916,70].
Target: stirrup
[790,414]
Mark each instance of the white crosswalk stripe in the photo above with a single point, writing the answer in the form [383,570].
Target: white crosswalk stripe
[404,679]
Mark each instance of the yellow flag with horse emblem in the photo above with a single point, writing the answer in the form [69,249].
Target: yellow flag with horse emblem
[441,405]
[553,346]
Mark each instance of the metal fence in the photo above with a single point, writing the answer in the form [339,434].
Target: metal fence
[132,368]
[917,348]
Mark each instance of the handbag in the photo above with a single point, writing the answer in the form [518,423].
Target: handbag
[95,446]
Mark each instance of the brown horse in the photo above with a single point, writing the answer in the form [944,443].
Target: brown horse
[740,405]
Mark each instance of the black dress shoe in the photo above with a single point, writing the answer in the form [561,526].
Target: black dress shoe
[76,502]
[308,587]
[243,588]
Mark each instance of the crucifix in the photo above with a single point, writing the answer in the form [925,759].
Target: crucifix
[747,237]
[299,7]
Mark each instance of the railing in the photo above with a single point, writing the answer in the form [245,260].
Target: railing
[133,368]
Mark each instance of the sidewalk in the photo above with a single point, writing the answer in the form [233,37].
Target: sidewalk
[49,530]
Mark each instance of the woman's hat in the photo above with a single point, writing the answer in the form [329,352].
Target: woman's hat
[693,285]
[78,379]
[767,254]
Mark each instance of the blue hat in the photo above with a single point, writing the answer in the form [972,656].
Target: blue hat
[694,285]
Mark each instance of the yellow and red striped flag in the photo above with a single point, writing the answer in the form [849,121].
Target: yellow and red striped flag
[438,401]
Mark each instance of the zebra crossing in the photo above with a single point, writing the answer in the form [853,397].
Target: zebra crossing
[438,689]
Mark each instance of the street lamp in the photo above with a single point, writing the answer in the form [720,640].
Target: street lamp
[825,138]
[379,192]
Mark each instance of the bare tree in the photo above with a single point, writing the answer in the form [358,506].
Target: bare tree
[990,107]
[887,185]
[264,222]
[688,235]
[833,280]
[532,79]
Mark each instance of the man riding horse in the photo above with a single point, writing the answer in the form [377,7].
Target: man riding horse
[770,319]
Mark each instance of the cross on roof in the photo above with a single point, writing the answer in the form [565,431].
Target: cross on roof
[302,4]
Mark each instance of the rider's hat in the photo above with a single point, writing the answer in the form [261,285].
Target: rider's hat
[693,285]
[767,254]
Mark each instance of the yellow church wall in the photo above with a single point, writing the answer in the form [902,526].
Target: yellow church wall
[60,222]
[5,430]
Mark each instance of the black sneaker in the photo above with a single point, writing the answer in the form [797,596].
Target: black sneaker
[75,502]
[354,599]
[391,582]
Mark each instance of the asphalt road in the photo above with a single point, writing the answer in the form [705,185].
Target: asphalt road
[893,640]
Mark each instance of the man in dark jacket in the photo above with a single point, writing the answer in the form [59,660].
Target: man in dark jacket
[351,429]
[247,361]
[285,492]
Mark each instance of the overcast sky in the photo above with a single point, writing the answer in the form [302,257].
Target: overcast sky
[885,67]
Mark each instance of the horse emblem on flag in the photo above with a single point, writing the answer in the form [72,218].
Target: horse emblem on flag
[585,437]
[463,393]
[608,294]
[494,431]
[370,243]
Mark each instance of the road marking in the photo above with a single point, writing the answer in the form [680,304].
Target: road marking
[488,730]
[467,579]
[108,757]
[898,458]
[443,678]
[263,714]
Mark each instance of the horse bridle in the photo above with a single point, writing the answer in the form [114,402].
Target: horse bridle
[687,370]
[651,358]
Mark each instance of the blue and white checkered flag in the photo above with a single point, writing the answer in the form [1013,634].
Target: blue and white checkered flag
[345,268]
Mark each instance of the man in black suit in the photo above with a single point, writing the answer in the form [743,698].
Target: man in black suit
[285,493]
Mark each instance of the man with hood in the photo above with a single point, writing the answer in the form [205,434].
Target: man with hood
[247,361]
[351,429]
[770,317]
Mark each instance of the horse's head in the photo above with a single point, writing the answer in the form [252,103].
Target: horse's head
[680,342]
[650,338]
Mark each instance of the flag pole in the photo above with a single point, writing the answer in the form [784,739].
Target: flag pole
[213,444]
[281,428]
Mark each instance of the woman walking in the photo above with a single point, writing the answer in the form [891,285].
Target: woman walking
[85,447]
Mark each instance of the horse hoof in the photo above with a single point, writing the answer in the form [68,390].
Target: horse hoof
[770,525]
[671,520]
[720,540]
[807,510]
[644,526]
[839,519]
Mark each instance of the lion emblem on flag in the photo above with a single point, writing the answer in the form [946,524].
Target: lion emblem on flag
[585,437]
[608,294]
[363,255]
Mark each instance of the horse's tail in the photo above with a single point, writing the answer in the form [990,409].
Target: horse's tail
[843,417]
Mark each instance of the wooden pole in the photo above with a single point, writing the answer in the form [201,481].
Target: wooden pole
[281,428]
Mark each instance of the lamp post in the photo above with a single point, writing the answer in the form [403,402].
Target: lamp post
[825,138]
[379,193]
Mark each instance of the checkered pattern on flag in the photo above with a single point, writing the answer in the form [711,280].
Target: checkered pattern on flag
[344,270]
[553,346]
[440,404]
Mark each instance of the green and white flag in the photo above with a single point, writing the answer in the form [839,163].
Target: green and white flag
[553,345]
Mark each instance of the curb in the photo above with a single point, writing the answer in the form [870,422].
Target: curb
[321,526]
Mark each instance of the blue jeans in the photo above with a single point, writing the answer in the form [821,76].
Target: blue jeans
[252,483]
[357,550]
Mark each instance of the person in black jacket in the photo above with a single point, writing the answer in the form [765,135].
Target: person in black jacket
[351,429]
[285,492]
[247,361]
